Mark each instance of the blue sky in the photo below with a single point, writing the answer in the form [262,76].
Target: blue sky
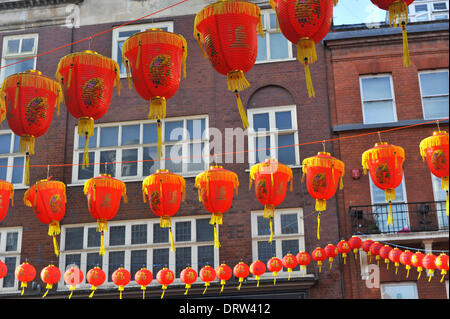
[357,11]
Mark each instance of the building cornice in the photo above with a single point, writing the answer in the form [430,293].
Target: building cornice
[18,4]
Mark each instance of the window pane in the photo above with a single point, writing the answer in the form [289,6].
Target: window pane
[151,162]
[440,6]
[421,8]
[129,169]
[123,69]
[17,176]
[182,259]
[160,235]
[3,168]
[376,88]
[138,234]
[127,34]
[399,291]
[290,246]
[174,155]
[266,250]
[13,46]
[88,171]
[9,279]
[283,120]
[261,122]
[205,256]
[107,163]
[273,21]
[263,226]
[160,260]
[183,231]
[16,143]
[435,107]
[286,155]
[196,160]
[195,129]
[130,134]
[27,45]
[109,136]
[11,241]
[73,260]
[92,140]
[173,131]
[116,260]
[116,235]
[289,224]
[378,194]
[378,112]
[279,47]
[93,260]
[262,49]
[74,238]
[434,83]
[94,237]
[150,133]
[205,231]
[5,144]
[262,148]
[138,261]
[18,67]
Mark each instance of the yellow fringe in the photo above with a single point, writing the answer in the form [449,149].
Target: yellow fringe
[398,13]
[268,167]
[43,185]
[105,181]
[381,152]
[269,211]
[217,175]
[245,123]
[325,162]
[163,176]
[273,4]
[157,108]
[321,205]
[216,218]
[236,81]
[439,138]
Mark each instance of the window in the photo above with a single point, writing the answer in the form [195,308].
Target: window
[274,46]
[123,33]
[434,92]
[288,235]
[405,290]
[10,245]
[377,97]
[11,161]
[428,10]
[17,48]
[441,197]
[128,150]
[137,244]
[273,133]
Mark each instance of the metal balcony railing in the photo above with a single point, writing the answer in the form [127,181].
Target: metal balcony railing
[408,217]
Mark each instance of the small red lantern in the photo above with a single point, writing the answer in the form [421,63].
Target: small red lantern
[274,265]
[143,277]
[442,264]
[319,255]
[165,191]
[375,250]
[165,277]
[95,277]
[50,275]
[215,190]
[104,193]
[257,268]
[271,181]
[188,276]
[355,244]
[394,256]
[366,247]
[405,259]
[207,274]
[384,253]
[241,270]
[417,261]
[303,259]
[323,175]
[429,263]
[289,262]
[331,251]
[121,277]
[48,200]
[385,165]
[223,273]
[343,248]
[6,194]
[25,273]
[3,269]
[435,150]
[73,277]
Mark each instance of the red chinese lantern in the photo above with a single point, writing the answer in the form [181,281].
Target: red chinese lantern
[164,191]
[303,259]
[343,248]
[104,193]
[384,253]
[25,273]
[331,251]
[241,270]
[442,264]
[274,265]
[2,108]
[50,275]
[323,175]
[87,79]
[271,181]
[398,16]
[3,269]
[165,277]
[188,276]
[95,277]
[143,277]
[290,262]
[435,150]
[385,165]
[366,247]
[405,259]
[207,274]
[48,200]
[121,277]
[223,273]
[154,60]
[226,32]
[73,277]
[429,263]
[215,190]
[319,255]
[30,102]
[257,268]
[394,256]
[355,244]
[417,261]
[304,23]
[6,194]
[375,251]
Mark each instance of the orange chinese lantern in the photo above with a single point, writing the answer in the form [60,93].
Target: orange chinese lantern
[405,259]
[271,182]
[143,277]
[154,60]
[3,269]
[226,32]
[319,255]
[417,261]
[207,274]
[241,270]
[290,262]
[429,263]
[304,23]
[384,253]
[95,277]
[87,79]
[121,277]
[435,150]
[394,256]
[366,247]
[303,259]
[274,265]
[343,248]
[323,175]
[385,165]
[164,191]
[257,268]
[25,273]
[50,275]
[442,264]
[6,194]
[215,190]
[398,16]
[104,193]
[375,251]
[48,200]
[165,277]
[188,276]
[355,244]
[331,251]
[223,273]
[73,277]
[30,101]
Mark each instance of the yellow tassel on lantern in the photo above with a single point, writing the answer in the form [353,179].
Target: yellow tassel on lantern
[306,54]
[274,277]
[86,129]
[143,288]
[398,16]
[222,282]
[23,285]
[271,229]
[206,287]
[160,146]
[443,273]
[430,274]
[138,58]
[243,114]
[164,287]
[102,226]
[419,270]
[72,289]
[157,108]
[216,237]
[318,226]
[48,287]
[240,283]
[93,288]
[54,230]
[236,81]
[121,289]
[172,243]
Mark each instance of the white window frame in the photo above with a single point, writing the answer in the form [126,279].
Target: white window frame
[142,27]
[430,14]
[11,156]
[273,132]
[139,177]
[23,56]
[128,247]
[394,107]
[430,96]
[13,254]
[407,283]
[436,183]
